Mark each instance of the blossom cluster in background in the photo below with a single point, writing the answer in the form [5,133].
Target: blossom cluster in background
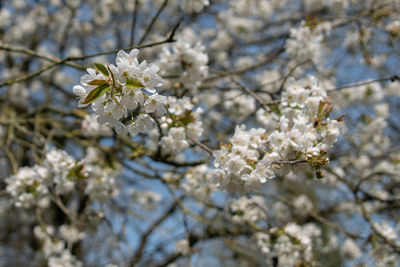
[59,174]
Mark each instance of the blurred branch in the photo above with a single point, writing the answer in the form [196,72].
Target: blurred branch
[373,226]
[32,53]
[55,63]
[143,241]
[201,145]
[272,56]
[134,19]
[153,20]
[319,218]
[254,95]
[391,78]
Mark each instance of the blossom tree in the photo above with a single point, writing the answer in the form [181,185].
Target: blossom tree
[199,133]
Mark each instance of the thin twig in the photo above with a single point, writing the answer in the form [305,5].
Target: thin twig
[33,53]
[134,19]
[391,78]
[201,145]
[210,151]
[256,65]
[32,75]
[289,162]
[254,95]
[154,19]
[138,255]
[373,226]
[169,39]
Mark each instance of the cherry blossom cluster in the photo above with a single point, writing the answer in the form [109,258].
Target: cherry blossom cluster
[242,27]
[91,127]
[303,205]
[305,42]
[147,199]
[58,174]
[100,179]
[198,182]
[196,6]
[256,8]
[31,185]
[182,247]
[337,6]
[290,245]
[241,162]
[369,94]
[302,131]
[187,61]
[123,96]
[56,244]
[350,249]
[251,210]
[304,126]
[180,123]
[239,105]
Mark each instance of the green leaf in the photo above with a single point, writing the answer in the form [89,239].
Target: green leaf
[275,109]
[320,108]
[134,83]
[101,68]
[77,172]
[96,93]
[97,82]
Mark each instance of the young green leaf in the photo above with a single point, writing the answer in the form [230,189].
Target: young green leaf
[96,93]
[97,82]
[101,68]
[134,83]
